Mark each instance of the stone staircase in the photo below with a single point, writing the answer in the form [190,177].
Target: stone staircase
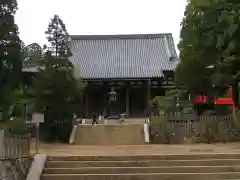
[144,167]
[117,121]
[109,134]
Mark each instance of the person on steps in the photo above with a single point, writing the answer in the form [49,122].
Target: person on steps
[100,118]
[94,118]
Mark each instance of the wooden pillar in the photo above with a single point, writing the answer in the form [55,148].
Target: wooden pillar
[148,98]
[105,110]
[127,101]
[148,92]
[86,103]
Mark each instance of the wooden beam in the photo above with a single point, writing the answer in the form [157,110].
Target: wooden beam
[87,104]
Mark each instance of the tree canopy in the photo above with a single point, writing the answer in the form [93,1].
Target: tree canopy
[33,53]
[56,90]
[11,55]
[58,38]
[209,45]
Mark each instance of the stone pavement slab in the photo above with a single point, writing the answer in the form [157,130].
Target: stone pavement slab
[124,150]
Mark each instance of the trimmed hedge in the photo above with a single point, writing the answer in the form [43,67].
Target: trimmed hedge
[18,127]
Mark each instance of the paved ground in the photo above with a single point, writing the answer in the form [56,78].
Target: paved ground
[68,150]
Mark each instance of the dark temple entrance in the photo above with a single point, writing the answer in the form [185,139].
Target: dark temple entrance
[137,101]
[132,97]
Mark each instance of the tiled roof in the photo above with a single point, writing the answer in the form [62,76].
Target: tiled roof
[123,56]
[31,67]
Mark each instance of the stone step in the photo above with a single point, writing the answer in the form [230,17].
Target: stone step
[117,134]
[145,163]
[128,170]
[145,157]
[117,121]
[144,176]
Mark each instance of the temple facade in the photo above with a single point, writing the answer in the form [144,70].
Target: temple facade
[128,70]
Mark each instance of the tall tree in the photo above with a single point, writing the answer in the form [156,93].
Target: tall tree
[10,54]
[58,38]
[208,46]
[56,84]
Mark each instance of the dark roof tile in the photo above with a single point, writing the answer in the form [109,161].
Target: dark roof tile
[123,56]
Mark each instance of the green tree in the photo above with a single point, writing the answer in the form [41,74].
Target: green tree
[208,46]
[56,90]
[172,100]
[10,55]
[58,38]
[33,53]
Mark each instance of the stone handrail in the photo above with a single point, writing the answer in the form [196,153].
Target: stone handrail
[14,146]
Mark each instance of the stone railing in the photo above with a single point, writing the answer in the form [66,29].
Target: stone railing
[14,146]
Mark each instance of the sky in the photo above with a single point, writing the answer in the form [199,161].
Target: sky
[95,17]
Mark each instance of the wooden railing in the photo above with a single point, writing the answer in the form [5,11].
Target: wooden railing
[14,146]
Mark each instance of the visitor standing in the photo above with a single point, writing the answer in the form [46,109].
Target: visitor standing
[83,120]
[147,114]
[94,118]
[100,118]
[122,117]
[74,120]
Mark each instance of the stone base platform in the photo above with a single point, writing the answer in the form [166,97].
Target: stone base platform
[109,134]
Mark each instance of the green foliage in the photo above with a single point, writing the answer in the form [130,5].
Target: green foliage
[56,85]
[169,102]
[56,90]
[57,36]
[17,126]
[209,46]
[211,132]
[33,53]
[157,121]
[20,99]
[236,119]
[10,55]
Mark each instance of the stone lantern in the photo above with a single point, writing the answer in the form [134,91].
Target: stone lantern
[112,103]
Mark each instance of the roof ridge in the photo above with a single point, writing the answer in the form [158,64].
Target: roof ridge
[120,36]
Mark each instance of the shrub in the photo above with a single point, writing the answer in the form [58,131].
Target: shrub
[56,131]
[18,127]
[211,132]
[236,119]
[156,121]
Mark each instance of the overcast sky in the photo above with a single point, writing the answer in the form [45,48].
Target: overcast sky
[100,17]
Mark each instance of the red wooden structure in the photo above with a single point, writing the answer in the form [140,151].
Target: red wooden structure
[225,100]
